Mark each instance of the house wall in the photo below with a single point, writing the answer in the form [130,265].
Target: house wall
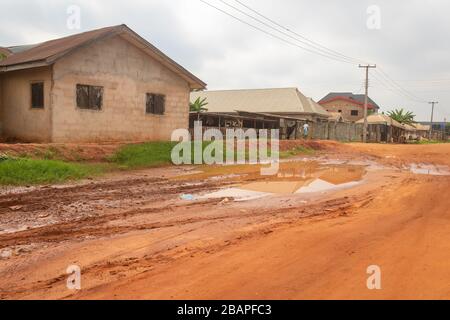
[17,119]
[345,107]
[127,74]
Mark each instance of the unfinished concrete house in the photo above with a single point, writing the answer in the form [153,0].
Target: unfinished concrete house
[349,105]
[104,85]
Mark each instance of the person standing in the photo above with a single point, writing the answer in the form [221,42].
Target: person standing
[305,130]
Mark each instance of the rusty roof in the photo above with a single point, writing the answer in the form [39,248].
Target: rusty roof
[5,52]
[52,48]
[273,100]
[49,52]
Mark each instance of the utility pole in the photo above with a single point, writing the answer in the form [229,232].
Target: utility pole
[433,103]
[444,137]
[366,100]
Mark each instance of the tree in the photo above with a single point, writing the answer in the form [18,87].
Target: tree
[2,56]
[402,116]
[447,128]
[198,106]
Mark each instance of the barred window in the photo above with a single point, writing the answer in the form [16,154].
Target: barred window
[155,104]
[37,95]
[89,97]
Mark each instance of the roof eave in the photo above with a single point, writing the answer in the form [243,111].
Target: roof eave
[194,82]
[52,59]
[23,66]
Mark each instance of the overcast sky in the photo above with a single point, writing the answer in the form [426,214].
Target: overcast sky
[411,46]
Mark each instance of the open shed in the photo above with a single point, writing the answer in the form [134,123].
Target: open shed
[383,128]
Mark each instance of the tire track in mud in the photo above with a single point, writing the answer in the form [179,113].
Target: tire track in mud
[94,226]
[88,203]
[135,266]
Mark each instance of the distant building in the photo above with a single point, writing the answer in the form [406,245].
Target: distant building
[108,84]
[286,102]
[437,126]
[350,105]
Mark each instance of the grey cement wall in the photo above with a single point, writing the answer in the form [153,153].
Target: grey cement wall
[336,131]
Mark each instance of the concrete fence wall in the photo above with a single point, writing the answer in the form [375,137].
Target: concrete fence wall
[344,132]
[337,131]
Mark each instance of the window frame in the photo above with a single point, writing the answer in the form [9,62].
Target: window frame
[36,107]
[89,107]
[155,112]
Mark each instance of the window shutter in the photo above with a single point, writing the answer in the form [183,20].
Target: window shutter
[89,97]
[37,95]
[155,104]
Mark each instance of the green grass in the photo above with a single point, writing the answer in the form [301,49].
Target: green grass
[296,151]
[153,154]
[25,171]
[149,154]
[48,170]
[430,142]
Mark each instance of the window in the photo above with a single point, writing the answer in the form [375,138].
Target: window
[340,111]
[89,97]
[355,113]
[37,95]
[155,104]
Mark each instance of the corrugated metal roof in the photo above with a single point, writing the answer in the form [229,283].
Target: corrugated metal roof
[421,127]
[53,48]
[47,53]
[348,95]
[277,100]
[409,127]
[382,119]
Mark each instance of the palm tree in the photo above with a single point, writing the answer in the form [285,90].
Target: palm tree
[198,106]
[402,116]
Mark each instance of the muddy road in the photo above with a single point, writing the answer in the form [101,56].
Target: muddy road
[227,233]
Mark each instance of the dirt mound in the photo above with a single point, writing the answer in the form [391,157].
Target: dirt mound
[67,152]
[287,145]
[99,152]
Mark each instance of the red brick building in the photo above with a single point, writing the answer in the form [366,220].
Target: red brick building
[350,105]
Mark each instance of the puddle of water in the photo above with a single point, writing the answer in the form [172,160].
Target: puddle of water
[432,170]
[294,178]
[323,186]
[237,194]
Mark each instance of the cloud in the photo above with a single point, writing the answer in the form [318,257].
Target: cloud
[411,45]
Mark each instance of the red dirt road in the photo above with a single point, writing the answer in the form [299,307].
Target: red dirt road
[140,242]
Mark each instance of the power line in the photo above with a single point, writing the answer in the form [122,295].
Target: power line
[273,35]
[313,47]
[283,33]
[385,75]
[393,89]
[424,80]
[311,42]
[382,73]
